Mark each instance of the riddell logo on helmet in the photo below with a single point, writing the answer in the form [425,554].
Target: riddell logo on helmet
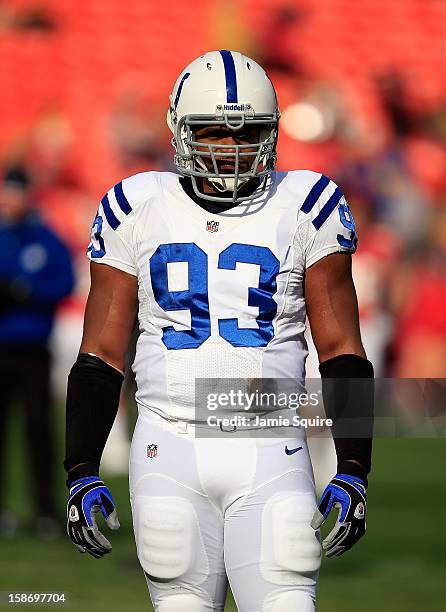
[234,107]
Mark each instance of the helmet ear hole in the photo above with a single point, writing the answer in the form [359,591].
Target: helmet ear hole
[171,119]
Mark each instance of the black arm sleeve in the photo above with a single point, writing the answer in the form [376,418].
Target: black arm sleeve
[92,403]
[348,393]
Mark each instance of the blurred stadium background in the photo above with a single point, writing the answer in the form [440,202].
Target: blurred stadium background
[362,89]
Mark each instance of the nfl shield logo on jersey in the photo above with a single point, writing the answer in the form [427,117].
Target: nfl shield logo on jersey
[212,226]
[152,451]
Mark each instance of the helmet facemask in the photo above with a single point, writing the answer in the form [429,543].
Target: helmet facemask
[201,160]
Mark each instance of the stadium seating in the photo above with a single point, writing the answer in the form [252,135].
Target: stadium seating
[98,47]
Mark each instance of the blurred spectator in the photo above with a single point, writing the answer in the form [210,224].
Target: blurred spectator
[35,18]
[35,274]
[420,303]
[394,100]
[373,269]
[135,132]
[49,151]
[277,42]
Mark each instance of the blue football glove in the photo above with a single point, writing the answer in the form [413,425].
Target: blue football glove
[347,493]
[88,496]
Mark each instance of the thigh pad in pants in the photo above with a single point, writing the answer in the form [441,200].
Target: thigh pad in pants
[168,539]
[291,548]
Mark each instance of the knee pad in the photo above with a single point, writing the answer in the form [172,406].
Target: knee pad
[168,540]
[279,601]
[183,602]
[291,550]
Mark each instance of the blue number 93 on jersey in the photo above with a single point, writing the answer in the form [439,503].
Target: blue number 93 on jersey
[347,494]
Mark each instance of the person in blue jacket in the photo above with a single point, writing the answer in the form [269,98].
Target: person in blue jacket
[35,275]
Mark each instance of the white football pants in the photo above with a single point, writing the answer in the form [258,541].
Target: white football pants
[209,510]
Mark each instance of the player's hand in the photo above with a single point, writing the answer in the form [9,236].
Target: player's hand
[88,496]
[347,493]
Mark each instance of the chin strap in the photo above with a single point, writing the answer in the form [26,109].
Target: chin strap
[227,184]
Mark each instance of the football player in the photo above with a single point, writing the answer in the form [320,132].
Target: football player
[221,262]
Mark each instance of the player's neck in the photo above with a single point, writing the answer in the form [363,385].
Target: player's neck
[212,206]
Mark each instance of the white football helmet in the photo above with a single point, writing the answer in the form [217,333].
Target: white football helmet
[224,88]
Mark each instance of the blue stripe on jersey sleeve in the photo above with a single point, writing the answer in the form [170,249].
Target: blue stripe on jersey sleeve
[314,194]
[109,214]
[121,199]
[328,208]
[231,78]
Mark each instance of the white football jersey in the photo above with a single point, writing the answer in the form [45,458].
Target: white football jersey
[220,295]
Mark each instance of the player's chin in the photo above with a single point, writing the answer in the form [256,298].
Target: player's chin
[225,167]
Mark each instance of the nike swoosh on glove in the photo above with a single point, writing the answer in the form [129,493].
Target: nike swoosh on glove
[87,497]
[348,494]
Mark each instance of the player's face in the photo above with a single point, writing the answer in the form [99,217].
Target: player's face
[222,135]
[13,203]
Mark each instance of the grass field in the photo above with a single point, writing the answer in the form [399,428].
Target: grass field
[399,566]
